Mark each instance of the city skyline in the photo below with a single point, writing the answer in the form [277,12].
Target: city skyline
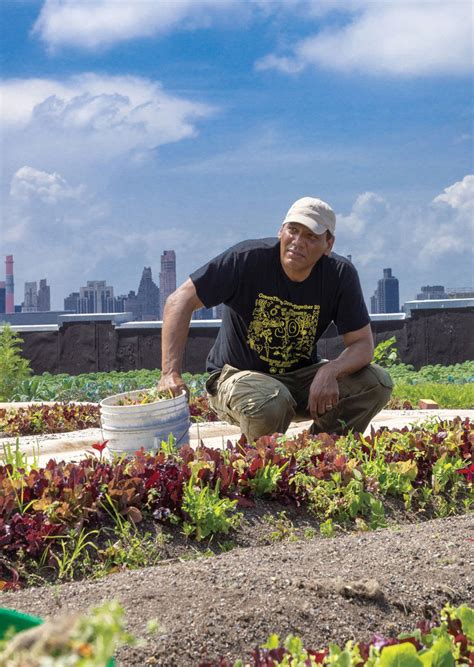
[385,298]
[129,127]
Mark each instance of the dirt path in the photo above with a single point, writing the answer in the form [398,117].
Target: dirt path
[322,589]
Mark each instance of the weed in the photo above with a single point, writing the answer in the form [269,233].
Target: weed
[326,528]
[70,554]
[19,461]
[282,527]
[131,550]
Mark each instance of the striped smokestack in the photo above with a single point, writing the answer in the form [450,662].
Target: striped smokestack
[9,286]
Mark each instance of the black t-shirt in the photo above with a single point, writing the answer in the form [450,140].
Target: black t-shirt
[271,324]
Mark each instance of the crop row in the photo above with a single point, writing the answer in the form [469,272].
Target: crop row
[450,386]
[94,387]
[65,417]
[66,513]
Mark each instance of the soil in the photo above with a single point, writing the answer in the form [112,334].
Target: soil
[278,580]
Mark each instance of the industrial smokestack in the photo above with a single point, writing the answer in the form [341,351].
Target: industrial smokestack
[9,286]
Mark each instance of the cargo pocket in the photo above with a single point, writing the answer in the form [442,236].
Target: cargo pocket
[382,375]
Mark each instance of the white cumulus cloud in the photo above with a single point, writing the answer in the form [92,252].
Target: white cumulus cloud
[368,206]
[93,24]
[424,244]
[90,119]
[29,184]
[459,196]
[396,38]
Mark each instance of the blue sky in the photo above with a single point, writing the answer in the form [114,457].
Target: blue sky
[131,127]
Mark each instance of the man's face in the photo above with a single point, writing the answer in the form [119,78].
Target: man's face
[300,249]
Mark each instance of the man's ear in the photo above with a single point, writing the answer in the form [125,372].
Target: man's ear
[280,231]
[330,243]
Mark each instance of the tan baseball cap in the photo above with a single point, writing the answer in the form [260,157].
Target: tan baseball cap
[314,214]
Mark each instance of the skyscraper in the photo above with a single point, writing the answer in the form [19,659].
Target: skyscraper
[386,297]
[44,296]
[167,277]
[30,303]
[9,285]
[146,304]
[71,302]
[2,296]
[96,297]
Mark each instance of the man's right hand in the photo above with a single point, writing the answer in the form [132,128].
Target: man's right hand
[173,382]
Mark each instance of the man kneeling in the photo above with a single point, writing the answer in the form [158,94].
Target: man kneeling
[280,294]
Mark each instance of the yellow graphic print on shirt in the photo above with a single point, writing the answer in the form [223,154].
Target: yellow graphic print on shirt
[282,333]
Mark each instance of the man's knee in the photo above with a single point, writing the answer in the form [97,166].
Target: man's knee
[259,404]
[373,382]
[265,415]
[383,386]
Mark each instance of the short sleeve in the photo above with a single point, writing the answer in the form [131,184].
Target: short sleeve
[217,281]
[350,312]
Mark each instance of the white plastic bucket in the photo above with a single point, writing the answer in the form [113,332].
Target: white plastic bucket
[129,427]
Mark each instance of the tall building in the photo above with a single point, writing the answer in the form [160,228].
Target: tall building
[44,296]
[131,305]
[9,285]
[30,303]
[2,296]
[167,277]
[95,297]
[120,303]
[386,297]
[71,302]
[146,304]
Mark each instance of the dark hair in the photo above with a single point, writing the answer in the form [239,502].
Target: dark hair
[329,236]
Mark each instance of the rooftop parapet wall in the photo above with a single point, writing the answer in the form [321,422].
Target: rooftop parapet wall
[83,345]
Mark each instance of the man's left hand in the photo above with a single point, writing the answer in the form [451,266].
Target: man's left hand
[324,392]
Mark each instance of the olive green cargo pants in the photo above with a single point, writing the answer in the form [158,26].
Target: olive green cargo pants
[261,404]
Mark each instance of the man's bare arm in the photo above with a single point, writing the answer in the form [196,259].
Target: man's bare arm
[178,311]
[358,352]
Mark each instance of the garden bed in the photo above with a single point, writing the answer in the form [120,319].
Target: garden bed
[231,511]
[90,518]
[348,587]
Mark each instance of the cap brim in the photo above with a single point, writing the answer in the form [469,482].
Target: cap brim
[315,227]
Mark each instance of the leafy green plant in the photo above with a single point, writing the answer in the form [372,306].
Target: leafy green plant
[13,367]
[207,513]
[386,353]
[266,479]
